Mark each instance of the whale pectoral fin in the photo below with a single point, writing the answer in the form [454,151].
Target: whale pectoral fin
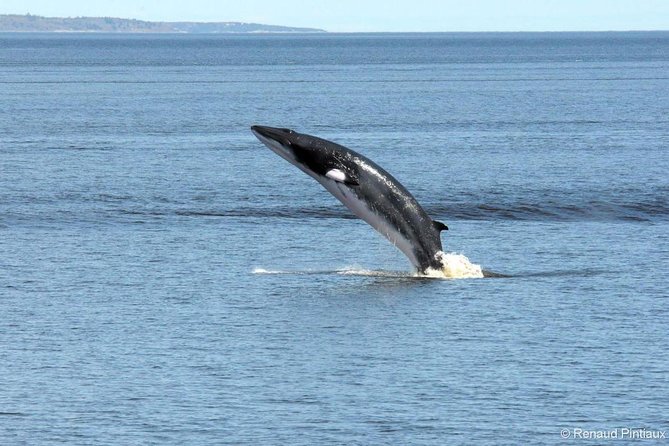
[340,176]
[439,226]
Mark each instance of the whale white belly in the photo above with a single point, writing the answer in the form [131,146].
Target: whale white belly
[379,222]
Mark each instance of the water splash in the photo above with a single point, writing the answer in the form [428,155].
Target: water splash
[372,273]
[455,266]
[348,271]
[268,271]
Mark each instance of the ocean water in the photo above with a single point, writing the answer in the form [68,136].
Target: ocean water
[166,279]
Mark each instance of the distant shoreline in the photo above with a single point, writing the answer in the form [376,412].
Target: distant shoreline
[16,23]
[332,33]
[28,23]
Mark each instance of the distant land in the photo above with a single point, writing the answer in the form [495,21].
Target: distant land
[35,23]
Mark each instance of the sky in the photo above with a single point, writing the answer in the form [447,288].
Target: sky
[377,15]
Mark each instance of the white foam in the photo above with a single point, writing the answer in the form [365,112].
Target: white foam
[349,271]
[455,266]
[371,273]
[267,271]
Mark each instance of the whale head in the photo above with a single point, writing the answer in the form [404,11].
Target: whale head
[283,142]
[317,157]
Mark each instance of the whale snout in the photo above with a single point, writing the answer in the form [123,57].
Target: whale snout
[275,133]
[279,140]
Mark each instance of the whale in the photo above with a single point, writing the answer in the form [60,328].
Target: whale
[366,189]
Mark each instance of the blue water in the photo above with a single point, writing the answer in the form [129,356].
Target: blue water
[166,279]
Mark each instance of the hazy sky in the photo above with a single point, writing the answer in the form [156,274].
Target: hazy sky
[377,15]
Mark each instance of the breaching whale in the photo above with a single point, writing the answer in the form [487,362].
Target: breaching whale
[366,189]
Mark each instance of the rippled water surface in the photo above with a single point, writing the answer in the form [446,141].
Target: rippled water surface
[166,279]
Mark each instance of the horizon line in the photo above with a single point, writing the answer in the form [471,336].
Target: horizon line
[322,30]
